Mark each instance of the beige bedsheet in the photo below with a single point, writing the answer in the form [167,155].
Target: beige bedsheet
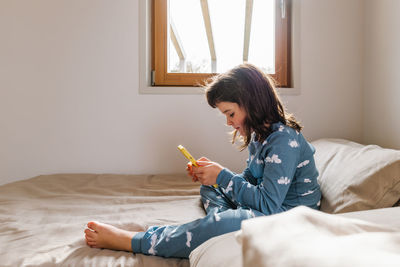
[42,219]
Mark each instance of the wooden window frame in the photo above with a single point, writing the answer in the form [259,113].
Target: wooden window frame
[159,53]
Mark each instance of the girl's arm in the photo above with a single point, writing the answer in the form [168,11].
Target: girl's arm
[208,171]
[280,162]
[248,176]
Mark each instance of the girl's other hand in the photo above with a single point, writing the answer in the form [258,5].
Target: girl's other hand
[207,172]
[189,169]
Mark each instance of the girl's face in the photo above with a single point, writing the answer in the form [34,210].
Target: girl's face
[235,115]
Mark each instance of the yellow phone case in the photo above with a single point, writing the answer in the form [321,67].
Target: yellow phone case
[190,157]
[187,155]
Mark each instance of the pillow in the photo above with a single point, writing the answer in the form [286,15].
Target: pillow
[356,177]
[306,237]
[223,250]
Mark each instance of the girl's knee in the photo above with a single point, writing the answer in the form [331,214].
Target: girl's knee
[208,195]
[207,191]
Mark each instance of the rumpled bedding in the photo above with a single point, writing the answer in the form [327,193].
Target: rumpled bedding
[305,237]
[42,222]
[42,219]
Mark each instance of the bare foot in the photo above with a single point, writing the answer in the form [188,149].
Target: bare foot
[100,235]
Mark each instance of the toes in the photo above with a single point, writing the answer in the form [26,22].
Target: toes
[89,238]
[93,225]
[91,243]
[90,234]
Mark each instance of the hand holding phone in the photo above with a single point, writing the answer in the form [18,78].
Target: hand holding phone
[190,157]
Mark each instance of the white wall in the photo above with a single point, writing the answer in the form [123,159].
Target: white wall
[330,42]
[382,75]
[70,102]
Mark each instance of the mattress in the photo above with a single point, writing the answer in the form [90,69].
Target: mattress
[42,219]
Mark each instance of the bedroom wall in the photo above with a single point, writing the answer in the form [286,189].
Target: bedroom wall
[382,79]
[70,102]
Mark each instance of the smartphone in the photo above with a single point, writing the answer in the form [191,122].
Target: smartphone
[187,155]
[190,157]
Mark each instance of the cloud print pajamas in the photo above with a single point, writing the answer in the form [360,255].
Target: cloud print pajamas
[280,175]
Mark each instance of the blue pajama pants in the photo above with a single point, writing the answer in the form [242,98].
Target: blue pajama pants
[223,216]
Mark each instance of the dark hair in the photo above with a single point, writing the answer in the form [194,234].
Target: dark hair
[251,89]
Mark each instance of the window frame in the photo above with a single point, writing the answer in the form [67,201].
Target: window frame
[159,46]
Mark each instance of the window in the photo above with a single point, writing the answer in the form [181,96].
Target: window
[194,39]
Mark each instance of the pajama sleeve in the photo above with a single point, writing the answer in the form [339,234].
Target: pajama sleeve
[246,175]
[280,158]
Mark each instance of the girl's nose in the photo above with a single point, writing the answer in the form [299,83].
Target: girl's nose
[228,121]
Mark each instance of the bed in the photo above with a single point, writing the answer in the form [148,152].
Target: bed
[42,219]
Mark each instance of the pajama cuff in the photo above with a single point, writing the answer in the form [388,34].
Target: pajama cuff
[224,177]
[136,242]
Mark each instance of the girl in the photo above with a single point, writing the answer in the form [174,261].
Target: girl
[280,173]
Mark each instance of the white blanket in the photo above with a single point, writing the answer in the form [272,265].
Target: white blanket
[305,237]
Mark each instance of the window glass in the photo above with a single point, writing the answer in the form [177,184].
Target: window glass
[227,17]
[262,37]
[187,18]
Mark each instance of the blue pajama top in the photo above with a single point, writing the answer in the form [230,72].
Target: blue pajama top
[280,174]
